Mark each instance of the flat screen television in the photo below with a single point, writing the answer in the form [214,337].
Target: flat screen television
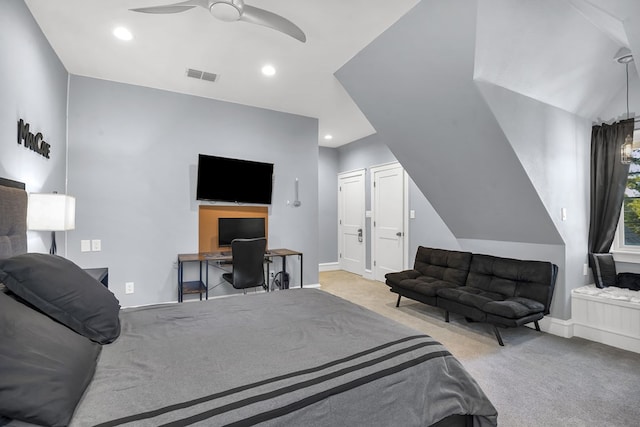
[239,228]
[234,180]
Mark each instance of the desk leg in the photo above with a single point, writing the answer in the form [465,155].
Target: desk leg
[179,281]
[284,270]
[301,275]
[200,293]
[206,289]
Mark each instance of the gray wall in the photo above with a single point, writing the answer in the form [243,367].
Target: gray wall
[496,167]
[362,154]
[33,87]
[328,205]
[132,166]
[426,229]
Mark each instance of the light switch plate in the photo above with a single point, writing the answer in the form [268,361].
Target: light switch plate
[85,245]
[96,245]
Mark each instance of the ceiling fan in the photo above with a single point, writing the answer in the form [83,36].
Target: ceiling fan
[233,10]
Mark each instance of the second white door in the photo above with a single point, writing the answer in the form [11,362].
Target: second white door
[388,235]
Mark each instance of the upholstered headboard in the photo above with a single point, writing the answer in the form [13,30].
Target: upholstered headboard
[13,218]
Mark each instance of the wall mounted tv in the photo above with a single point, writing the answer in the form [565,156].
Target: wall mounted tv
[234,180]
[239,228]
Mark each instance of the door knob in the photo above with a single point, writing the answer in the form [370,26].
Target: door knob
[399,234]
[360,235]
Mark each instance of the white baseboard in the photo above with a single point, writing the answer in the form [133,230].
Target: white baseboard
[368,274]
[329,266]
[559,327]
[572,328]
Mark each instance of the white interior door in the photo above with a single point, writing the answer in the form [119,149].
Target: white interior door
[388,202]
[351,240]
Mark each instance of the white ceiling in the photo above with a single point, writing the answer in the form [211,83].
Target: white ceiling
[164,46]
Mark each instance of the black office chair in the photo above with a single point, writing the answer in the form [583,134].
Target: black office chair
[248,263]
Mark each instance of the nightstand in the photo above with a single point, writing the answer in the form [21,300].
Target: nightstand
[100,274]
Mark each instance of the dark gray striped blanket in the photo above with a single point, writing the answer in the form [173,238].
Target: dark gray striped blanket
[299,357]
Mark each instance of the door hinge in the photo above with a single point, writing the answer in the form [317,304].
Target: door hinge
[374,263]
[340,254]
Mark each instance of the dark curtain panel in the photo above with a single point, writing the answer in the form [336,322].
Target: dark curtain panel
[608,182]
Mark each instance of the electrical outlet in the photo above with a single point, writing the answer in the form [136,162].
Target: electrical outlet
[585,269]
[96,245]
[85,245]
[128,288]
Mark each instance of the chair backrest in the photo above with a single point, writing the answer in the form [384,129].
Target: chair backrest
[248,262]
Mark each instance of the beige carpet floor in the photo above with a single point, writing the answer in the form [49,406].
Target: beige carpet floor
[537,379]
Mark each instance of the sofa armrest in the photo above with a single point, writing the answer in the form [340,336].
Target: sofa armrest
[395,278]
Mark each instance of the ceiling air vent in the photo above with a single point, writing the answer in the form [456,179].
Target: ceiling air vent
[201,75]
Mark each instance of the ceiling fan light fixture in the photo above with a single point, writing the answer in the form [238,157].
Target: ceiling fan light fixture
[269,70]
[227,11]
[122,33]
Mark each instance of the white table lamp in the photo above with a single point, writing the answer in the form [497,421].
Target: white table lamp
[51,212]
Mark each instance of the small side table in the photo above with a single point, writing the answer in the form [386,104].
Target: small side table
[200,286]
[100,274]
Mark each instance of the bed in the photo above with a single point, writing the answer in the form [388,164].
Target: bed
[286,358]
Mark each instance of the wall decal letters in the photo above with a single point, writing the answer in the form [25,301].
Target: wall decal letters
[33,142]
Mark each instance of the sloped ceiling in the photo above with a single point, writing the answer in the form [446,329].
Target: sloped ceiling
[419,94]
[549,51]
[417,84]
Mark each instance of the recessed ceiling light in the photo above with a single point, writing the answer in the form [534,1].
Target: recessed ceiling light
[122,33]
[328,137]
[268,70]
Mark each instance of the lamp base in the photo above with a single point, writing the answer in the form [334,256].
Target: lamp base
[53,248]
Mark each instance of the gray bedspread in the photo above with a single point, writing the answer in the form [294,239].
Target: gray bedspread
[300,357]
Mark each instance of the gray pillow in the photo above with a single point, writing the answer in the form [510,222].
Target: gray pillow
[44,366]
[65,292]
[604,269]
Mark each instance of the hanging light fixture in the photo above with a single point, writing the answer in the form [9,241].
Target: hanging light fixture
[623,56]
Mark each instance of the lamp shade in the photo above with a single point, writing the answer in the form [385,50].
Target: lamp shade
[51,212]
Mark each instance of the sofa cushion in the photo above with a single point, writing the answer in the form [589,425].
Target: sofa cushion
[513,278]
[396,277]
[450,266]
[514,308]
[470,296]
[426,285]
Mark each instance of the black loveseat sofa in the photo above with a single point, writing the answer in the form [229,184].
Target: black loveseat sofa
[503,292]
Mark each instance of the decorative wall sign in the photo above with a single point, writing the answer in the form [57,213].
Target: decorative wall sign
[33,142]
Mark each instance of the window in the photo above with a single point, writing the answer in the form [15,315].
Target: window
[628,235]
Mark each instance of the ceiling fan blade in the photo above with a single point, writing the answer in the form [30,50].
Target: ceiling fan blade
[170,8]
[163,9]
[265,18]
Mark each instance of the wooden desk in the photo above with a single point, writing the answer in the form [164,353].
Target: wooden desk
[202,286]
